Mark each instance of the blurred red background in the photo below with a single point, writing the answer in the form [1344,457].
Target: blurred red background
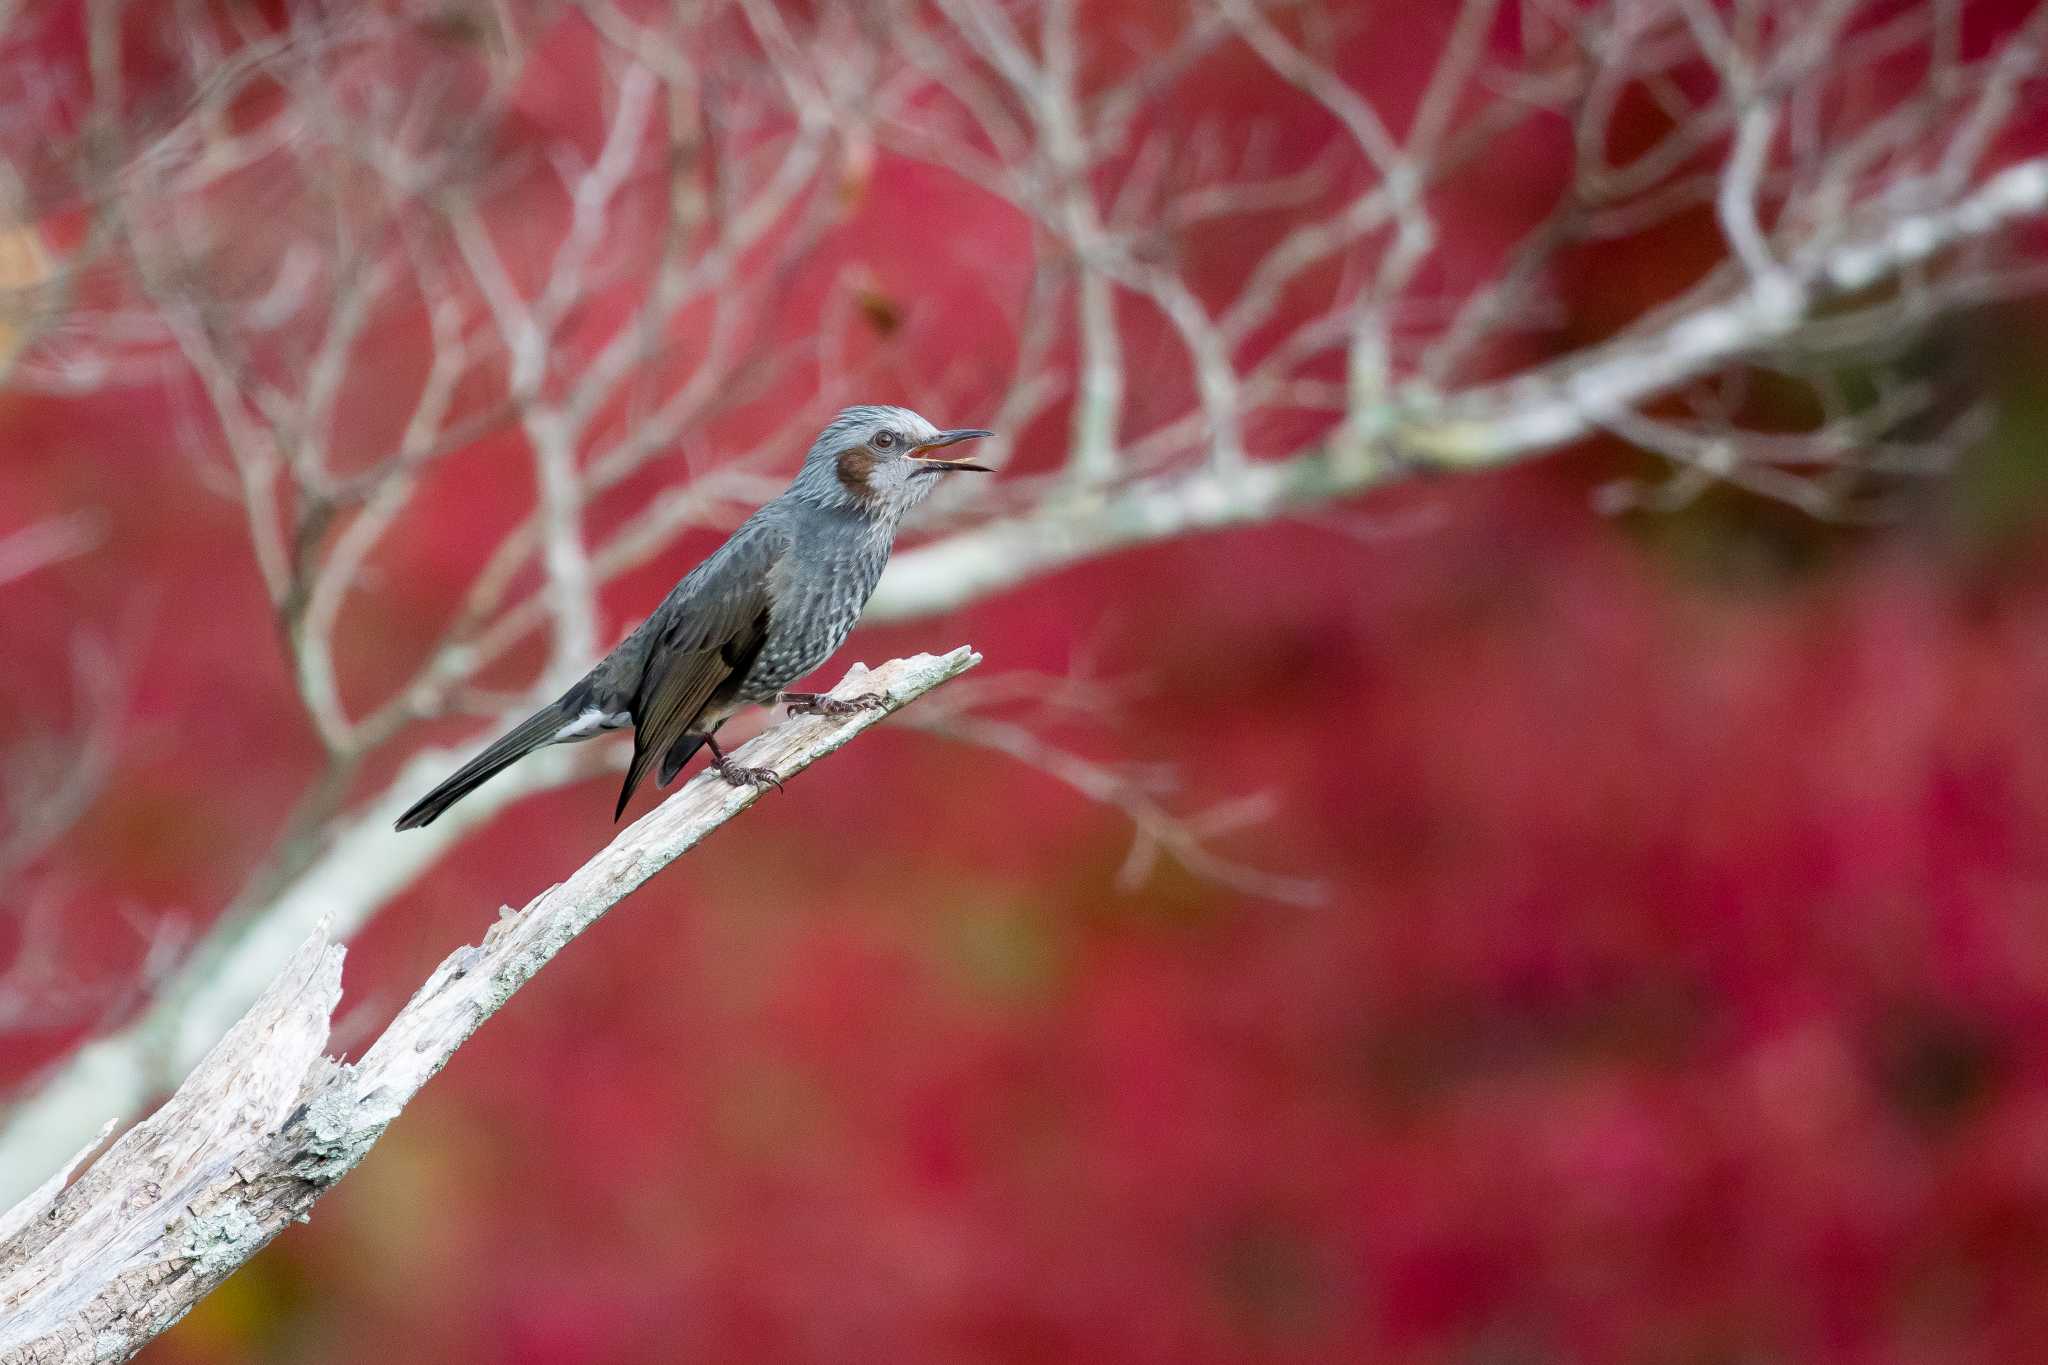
[1676,997]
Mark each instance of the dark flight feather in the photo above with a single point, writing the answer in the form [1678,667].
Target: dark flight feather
[715,632]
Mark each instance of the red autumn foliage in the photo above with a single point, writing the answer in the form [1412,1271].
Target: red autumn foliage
[1677,997]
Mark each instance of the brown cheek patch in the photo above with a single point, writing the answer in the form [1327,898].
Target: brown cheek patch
[854,468]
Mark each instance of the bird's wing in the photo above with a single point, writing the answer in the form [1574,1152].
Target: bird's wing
[710,630]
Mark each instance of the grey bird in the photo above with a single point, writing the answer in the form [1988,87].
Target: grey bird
[767,607]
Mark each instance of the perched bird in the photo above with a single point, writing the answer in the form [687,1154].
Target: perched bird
[767,607]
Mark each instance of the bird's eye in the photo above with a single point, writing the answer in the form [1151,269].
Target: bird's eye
[884,440]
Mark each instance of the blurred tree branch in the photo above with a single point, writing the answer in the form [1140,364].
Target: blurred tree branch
[46,784]
[353,214]
[268,1122]
[49,542]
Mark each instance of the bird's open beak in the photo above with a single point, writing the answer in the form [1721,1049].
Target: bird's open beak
[947,438]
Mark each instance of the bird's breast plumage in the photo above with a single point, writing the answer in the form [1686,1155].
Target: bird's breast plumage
[819,590]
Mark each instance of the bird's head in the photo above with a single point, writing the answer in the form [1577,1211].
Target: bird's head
[881,460]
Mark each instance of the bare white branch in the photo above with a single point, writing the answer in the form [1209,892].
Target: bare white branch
[1156,828]
[49,542]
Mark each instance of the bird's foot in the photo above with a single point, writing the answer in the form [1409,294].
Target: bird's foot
[819,704]
[760,779]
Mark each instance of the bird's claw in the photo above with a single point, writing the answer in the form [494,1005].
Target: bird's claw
[819,704]
[760,779]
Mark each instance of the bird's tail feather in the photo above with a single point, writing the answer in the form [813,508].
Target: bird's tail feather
[536,731]
[678,754]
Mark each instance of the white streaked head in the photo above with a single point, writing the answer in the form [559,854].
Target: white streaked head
[880,459]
